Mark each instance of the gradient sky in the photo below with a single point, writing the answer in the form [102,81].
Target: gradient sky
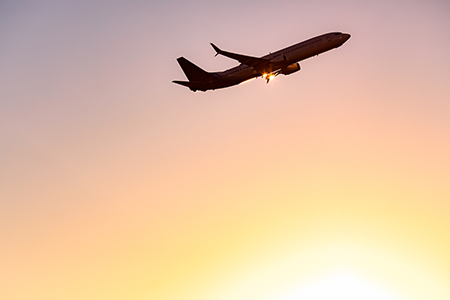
[330,183]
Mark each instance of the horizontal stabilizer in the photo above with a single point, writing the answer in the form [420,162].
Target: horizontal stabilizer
[192,85]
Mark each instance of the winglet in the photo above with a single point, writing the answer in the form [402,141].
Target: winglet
[218,51]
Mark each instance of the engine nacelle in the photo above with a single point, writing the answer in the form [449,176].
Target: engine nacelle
[292,68]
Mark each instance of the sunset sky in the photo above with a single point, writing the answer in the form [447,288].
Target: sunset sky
[330,183]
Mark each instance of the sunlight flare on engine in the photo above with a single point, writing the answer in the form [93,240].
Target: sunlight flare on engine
[269,76]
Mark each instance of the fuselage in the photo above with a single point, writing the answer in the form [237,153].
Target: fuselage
[293,54]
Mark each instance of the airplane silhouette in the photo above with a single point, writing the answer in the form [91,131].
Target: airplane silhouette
[284,61]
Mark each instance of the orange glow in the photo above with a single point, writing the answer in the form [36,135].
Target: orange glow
[333,183]
[268,77]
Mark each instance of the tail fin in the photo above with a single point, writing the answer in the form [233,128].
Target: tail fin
[193,72]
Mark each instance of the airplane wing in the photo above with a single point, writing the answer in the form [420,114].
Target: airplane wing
[257,63]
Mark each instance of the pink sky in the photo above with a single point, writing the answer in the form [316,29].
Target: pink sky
[117,184]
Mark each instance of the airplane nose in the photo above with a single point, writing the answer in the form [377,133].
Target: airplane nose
[346,36]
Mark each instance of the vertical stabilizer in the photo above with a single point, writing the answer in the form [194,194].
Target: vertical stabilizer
[193,72]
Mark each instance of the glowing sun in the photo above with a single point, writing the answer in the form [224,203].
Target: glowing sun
[340,286]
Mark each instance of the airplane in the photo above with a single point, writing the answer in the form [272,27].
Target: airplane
[284,61]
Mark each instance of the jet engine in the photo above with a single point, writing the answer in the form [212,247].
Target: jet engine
[290,69]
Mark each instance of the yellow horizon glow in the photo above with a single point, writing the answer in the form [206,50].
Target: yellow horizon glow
[341,285]
[117,184]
